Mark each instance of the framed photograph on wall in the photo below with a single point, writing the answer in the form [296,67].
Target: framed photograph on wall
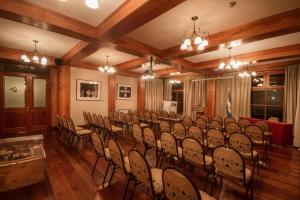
[124,92]
[88,90]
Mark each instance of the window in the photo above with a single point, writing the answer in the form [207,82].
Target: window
[267,95]
[177,95]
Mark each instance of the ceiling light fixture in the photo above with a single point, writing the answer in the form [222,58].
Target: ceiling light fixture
[149,74]
[174,73]
[197,41]
[35,58]
[232,63]
[174,81]
[107,68]
[94,4]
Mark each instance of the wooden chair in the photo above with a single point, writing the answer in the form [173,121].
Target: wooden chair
[229,120]
[101,125]
[100,149]
[137,134]
[193,152]
[179,131]
[151,142]
[86,121]
[266,129]
[178,186]
[148,118]
[95,122]
[201,123]
[90,121]
[273,119]
[59,123]
[164,126]
[187,122]
[165,115]
[83,134]
[112,129]
[205,118]
[215,138]
[141,173]
[215,124]
[244,123]
[230,164]
[232,128]
[169,148]
[155,120]
[136,120]
[117,160]
[218,119]
[129,123]
[197,133]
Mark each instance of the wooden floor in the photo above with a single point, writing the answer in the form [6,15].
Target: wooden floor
[69,176]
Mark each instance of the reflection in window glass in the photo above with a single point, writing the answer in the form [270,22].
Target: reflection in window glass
[274,111]
[258,112]
[14,92]
[258,97]
[276,80]
[258,81]
[275,97]
[39,93]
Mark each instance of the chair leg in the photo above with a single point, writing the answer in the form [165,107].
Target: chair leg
[112,174]
[106,172]
[131,196]
[126,188]
[95,164]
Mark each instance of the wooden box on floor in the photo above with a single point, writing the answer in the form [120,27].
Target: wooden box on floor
[22,162]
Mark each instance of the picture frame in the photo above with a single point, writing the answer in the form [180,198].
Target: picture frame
[125,92]
[87,90]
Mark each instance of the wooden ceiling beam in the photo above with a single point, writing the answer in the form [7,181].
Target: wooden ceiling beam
[131,64]
[37,16]
[272,26]
[263,55]
[129,16]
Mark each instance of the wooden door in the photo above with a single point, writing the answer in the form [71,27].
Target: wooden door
[24,103]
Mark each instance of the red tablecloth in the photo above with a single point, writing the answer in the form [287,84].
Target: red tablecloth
[282,133]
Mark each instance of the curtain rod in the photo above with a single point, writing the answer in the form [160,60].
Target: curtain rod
[216,78]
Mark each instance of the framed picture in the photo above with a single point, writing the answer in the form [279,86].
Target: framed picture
[88,90]
[124,91]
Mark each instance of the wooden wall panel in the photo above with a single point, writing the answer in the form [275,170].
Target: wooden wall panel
[211,97]
[1,101]
[54,93]
[112,84]
[64,90]
[141,95]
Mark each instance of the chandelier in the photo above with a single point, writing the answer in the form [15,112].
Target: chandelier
[197,41]
[35,58]
[107,68]
[232,63]
[173,81]
[94,4]
[149,74]
[247,74]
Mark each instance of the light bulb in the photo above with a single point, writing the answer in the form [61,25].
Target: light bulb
[35,58]
[221,65]
[190,48]
[247,74]
[27,60]
[205,42]
[198,40]
[241,74]
[187,42]
[232,62]
[44,61]
[183,46]
[101,69]
[228,67]
[23,57]
[200,47]
[253,73]
[92,4]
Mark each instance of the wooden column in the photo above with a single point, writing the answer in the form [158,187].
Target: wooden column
[211,97]
[141,95]
[64,90]
[1,101]
[54,93]
[111,92]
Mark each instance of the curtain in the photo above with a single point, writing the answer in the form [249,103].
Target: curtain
[154,94]
[194,95]
[167,90]
[240,91]
[291,110]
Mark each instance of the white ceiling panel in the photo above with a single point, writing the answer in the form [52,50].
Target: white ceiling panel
[158,66]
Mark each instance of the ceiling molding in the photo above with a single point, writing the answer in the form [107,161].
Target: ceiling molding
[272,26]
[264,55]
[131,64]
[129,16]
[34,15]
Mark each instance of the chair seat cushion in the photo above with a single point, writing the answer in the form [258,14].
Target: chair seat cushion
[249,155]
[142,125]
[205,196]
[78,128]
[107,154]
[267,133]
[158,143]
[157,180]
[116,129]
[179,152]
[126,164]
[83,132]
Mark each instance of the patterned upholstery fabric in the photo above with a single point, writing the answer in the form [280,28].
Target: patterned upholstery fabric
[244,123]
[205,118]
[229,120]
[117,155]
[98,144]
[150,140]
[137,133]
[172,115]
[100,121]
[232,128]
[164,126]
[215,124]
[169,145]
[187,121]
[215,138]
[255,133]
[201,123]
[264,126]
[154,117]
[116,129]
[179,131]
[218,119]
[196,132]
[243,144]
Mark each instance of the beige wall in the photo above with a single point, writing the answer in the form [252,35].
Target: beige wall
[127,104]
[77,107]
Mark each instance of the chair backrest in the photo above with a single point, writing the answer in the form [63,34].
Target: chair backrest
[147,116]
[122,117]
[244,122]
[58,121]
[142,115]
[164,126]
[89,117]
[205,118]
[134,112]
[154,117]
[273,119]
[229,162]
[98,144]
[201,123]
[215,124]
[263,125]
[193,151]
[101,121]
[196,132]
[71,124]
[187,121]
[116,115]
[169,144]
[140,170]
[172,115]
[65,122]
[110,116]
[116,154]
[177,186]
[232,128]
[135,119]
[255,133]
[128,118]
[95,119]
[164,114]
[229,120]
[242,143]
[137,133]
[218,119]
[179,130]
[215,138]
[149,137]
[85,117]
[107,123]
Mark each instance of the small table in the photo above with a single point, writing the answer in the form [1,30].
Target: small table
[282,133]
